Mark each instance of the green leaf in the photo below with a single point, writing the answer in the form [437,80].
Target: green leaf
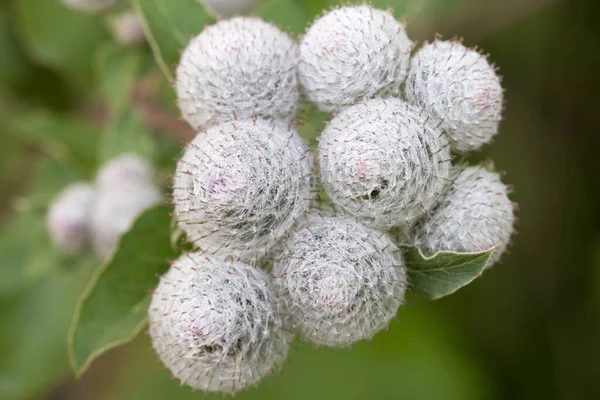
[169,25]
[60,38]
[67,139]
[444,272]
[291,15]
[117,69]
[112,310]
[127,134]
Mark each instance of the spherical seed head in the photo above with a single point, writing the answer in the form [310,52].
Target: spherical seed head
[125,170]
[114,211]
[341,281]
[68,219]
[236,69]
[228,8]
[241,185]
[215,324]
[383,162]
[461,91]
[352,53]
[474,215]
[89,6]
[128,29]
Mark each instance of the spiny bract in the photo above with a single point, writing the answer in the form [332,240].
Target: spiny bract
[459,88]
[68,219]
[125,170]
[114,211]
[215,324]
[128,29]
[352,53]
[237,69]
[475,215]
[341,281]
[89,6]
[241,185]
[382,161]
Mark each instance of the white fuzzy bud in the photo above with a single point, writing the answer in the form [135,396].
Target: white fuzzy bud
[474,215]
[241,185]
[89,6]
[461,91]
[228,8]
[238,69]
[341,281]
[125,170]
[382,161]
[215,324]
[68,219]
[352,53]
[115,209]
[128,29]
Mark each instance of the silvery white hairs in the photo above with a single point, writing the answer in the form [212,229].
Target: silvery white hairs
[475,215]
[216,325]
[384,162]
[114,211]
[460,90]
[128,29]
[351,53]
[341,282]
[68,218]
[89,6]
[124,170]
[238,69]
[228,8]
[241,185]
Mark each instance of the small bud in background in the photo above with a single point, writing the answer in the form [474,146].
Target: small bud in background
[128,29]
[69,216]
[229,8]
[89,6]
[125,170]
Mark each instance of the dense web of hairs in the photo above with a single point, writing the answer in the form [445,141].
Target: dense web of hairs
[461,91]
[89,5]
[341,281]
[114,211]
[382,161]
[236,69]
[475,215]
[215,324]
[228,8]
[125,170]
[68,219]
[128,28]
[241,185]
[351,53]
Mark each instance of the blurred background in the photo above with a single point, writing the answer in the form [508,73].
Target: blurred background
[529,329]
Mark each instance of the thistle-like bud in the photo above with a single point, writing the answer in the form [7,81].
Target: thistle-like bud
[241,185]
[125,170]
[239,68]
[474,215]
[228,8]
[215,324]
[352,53]
[68,219]
[89,6]
[341,281]
[114,211]
[128,29]
[384,162]
[461,91]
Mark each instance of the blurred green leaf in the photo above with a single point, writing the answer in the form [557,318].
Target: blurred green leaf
[127,134]
[60,38]
[445,272]
[67,139]
[169,25]
[112,310]
[291,15]
[117,69]
[33,338]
